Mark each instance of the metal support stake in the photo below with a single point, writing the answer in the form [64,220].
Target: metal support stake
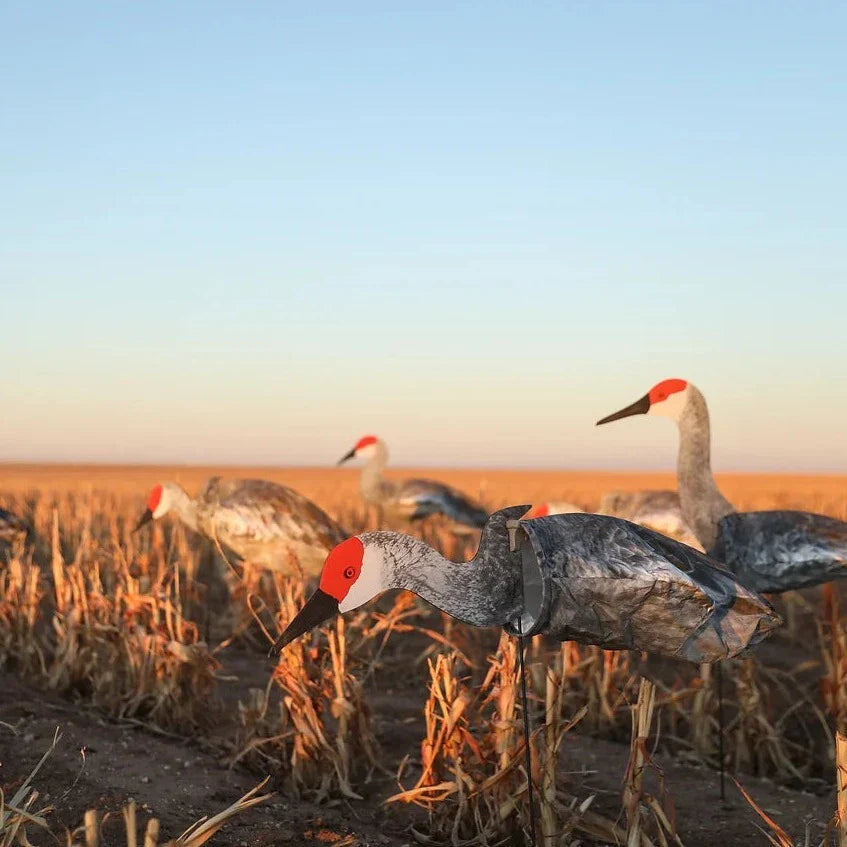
[512,527]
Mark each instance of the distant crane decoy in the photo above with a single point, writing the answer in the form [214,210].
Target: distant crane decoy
[411,499]
[769,551]
[589,578]
[13,529]
[553,507]
[262,522]
[659,510]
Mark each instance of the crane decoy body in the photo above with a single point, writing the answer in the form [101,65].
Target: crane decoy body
[262,522]
[769,551]
[411,499]
[581,577]
[13,530]
[659,510]
[553,507]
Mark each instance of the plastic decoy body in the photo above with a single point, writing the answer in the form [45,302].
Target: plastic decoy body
[411,499]
[769,551]
[263,522]
[588,578]
[659,510]
[553,507]
[13,529]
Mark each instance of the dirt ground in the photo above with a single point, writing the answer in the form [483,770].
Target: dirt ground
[179,780]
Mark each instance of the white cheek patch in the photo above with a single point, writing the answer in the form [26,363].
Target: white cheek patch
[672,407]
[366,452]
[369,584]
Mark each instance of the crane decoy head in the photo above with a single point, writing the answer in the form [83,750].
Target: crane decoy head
[364,448]
[666,398]
[158,505]
[352,575]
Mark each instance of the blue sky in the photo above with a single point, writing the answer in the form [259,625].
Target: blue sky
[254,232]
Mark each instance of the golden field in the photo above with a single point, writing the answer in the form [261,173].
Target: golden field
[392,725]
[330,487]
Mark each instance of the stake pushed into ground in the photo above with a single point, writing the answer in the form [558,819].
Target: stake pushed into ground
[512,528]
[526,735]
[719,680]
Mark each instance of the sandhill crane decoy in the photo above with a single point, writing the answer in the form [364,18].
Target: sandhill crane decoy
[13,530]
[411,499]
[769,551]
[263,522]
[659,510]
[578,577]
[553,507]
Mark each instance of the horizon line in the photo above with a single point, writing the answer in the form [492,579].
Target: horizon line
[22,463]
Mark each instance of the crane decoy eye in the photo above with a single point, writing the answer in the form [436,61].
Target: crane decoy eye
[348,573]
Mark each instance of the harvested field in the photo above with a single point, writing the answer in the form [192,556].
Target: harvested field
[147,659]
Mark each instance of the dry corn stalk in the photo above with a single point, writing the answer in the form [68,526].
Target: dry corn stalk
[635,800]
[841,786]
[328,716]
[703,724]
[473,780]
[833,640]
[466,804]
[132,653]
[777,836]
[602,680]
[759,747]
[18,812]
[119,635]
[762,734]
[555,729]
[319,730]
[21,642]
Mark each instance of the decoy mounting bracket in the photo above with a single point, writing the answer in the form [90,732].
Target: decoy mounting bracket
[512,527]
[525,559]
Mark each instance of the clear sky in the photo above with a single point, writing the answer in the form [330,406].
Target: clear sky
[251,232]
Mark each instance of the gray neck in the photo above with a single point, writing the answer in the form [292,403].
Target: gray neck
[184,507]
[702,503]
[486,591]
[374,488]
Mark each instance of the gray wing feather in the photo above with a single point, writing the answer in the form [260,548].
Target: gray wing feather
[635,502]
[777,551]
[427,497]
[258,511]
[660,509]
[12,527]
[623,586]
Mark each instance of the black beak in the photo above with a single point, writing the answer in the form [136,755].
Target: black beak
[319,607]
[639,407]
[347,456]
[145,518]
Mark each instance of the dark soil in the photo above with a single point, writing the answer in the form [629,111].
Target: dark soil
[179,780]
